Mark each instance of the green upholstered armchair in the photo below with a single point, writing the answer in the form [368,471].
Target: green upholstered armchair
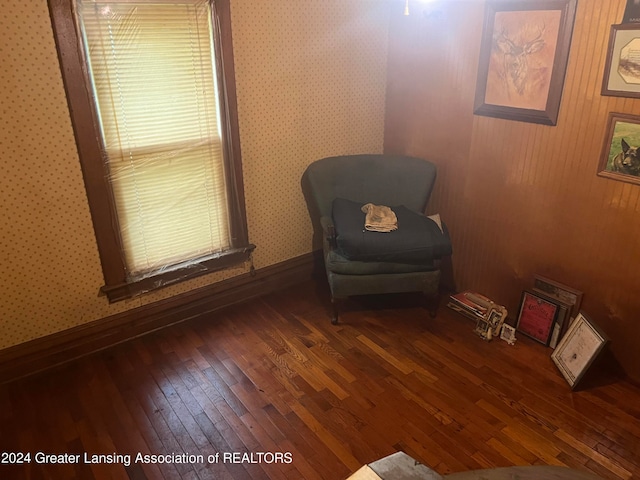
[360,262]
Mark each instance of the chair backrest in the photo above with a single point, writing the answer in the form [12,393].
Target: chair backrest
[380,179]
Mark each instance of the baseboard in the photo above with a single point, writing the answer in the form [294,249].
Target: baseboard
[53,350]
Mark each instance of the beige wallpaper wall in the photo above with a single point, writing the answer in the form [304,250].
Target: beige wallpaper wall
[311,82]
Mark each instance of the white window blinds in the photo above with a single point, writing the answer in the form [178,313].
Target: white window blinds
[152,68]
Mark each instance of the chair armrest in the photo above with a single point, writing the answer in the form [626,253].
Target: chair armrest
[329,231]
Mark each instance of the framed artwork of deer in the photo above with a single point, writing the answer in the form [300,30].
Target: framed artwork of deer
[620,158]
[523,59]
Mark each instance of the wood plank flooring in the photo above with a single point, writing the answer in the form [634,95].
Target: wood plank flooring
[274,381]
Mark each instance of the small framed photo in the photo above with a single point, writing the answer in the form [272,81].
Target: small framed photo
[508,334]
[621,76]
[537,316]
[578,349]
[483,328]
[496,317]
[620,157]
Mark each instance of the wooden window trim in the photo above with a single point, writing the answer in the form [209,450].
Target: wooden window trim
[99,194]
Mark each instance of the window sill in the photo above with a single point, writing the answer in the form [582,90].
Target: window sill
[124,291]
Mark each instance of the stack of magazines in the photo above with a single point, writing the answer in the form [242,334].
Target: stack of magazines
[470,304]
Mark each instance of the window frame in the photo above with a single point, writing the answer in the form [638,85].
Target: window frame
[95,174]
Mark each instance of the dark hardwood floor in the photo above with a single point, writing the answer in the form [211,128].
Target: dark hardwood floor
[303,399]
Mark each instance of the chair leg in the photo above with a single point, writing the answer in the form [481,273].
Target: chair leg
[334,312]
[433,303]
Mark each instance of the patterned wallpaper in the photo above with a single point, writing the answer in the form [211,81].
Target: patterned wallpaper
[311,81]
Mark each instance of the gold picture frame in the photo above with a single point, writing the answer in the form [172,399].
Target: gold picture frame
[483,327]
[490,324]
[496,317]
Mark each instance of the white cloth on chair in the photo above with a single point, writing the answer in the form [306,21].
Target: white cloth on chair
[379,218]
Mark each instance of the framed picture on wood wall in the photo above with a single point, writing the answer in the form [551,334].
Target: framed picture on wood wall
[523,59]
[620,157]
[621,70]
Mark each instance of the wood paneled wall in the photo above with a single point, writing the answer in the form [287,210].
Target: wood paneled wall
[521,198]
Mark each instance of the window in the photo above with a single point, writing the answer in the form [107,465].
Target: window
[153,110]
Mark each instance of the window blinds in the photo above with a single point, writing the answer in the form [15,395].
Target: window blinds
[152,69]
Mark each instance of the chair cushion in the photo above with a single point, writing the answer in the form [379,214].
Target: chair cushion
[336,263]
[417,240]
